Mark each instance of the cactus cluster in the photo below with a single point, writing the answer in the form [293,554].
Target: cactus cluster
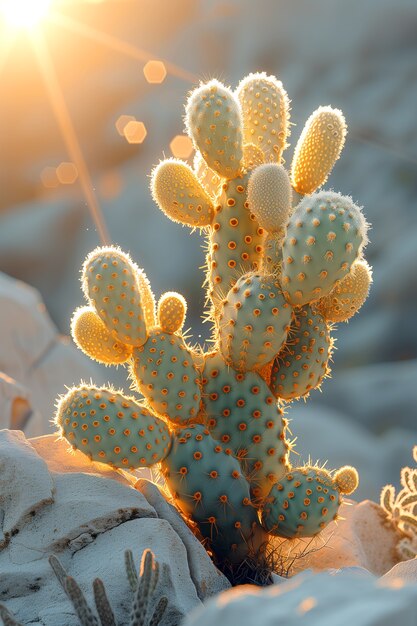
[401,510]
[284,262]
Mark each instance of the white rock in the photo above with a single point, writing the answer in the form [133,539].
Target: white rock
[362,538]
[404,572]
[350,596]
[25,483]
[88,515]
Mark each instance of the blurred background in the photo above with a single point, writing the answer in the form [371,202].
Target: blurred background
[93,97]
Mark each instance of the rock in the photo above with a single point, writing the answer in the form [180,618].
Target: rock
[25,483]
[34,354]
[404,572]
[362,538]
[88,515]
[310,599]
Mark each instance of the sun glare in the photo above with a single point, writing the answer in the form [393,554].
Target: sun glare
[24,13]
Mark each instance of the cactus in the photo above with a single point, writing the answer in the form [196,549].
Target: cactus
[277,276]
[401,509]
[143,588]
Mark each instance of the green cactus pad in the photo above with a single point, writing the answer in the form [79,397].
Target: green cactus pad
[207,485]
[242,414]
[235,241]
[301,504]
[165,373]
[304,360]
[325,235]
[253,322]
[110,283]
[214,123]
[111,428]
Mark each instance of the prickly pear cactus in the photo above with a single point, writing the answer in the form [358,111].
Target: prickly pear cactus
[284,263]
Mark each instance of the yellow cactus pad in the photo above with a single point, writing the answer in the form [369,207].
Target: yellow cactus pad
[269,196]
[110,284]
[266,114]
[92,337]
[318,149]
[349,294]
[180,195]
[172,308]
[346,479]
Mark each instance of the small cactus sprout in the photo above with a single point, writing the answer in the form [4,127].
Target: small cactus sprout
[143,588]
[304,361]
[110,283]
[180,195]
[112,428]
[325,235]
[266,114]
[303,502]
[95,340]
[401,510]
[347,297]
[318,149]
[277,277]
[214,122]
[346,479]
[254,322]
[269,196]
[172,308]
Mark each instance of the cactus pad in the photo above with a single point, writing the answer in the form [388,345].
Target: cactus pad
[304,361]
[325,235]
[94,339]
[110,283]
[111,428]
[253,322]
[214,123]
[301,504]
[164,372]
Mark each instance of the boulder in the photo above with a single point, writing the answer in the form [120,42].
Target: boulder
[57,502]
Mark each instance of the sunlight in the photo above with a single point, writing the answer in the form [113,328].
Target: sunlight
[24,13]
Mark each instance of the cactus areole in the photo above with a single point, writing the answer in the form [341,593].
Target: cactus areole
[284,262]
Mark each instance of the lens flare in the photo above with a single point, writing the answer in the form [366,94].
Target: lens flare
[24,13]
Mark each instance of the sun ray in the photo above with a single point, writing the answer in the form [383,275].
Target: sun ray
[63,118]
[119,45]
[6,43]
